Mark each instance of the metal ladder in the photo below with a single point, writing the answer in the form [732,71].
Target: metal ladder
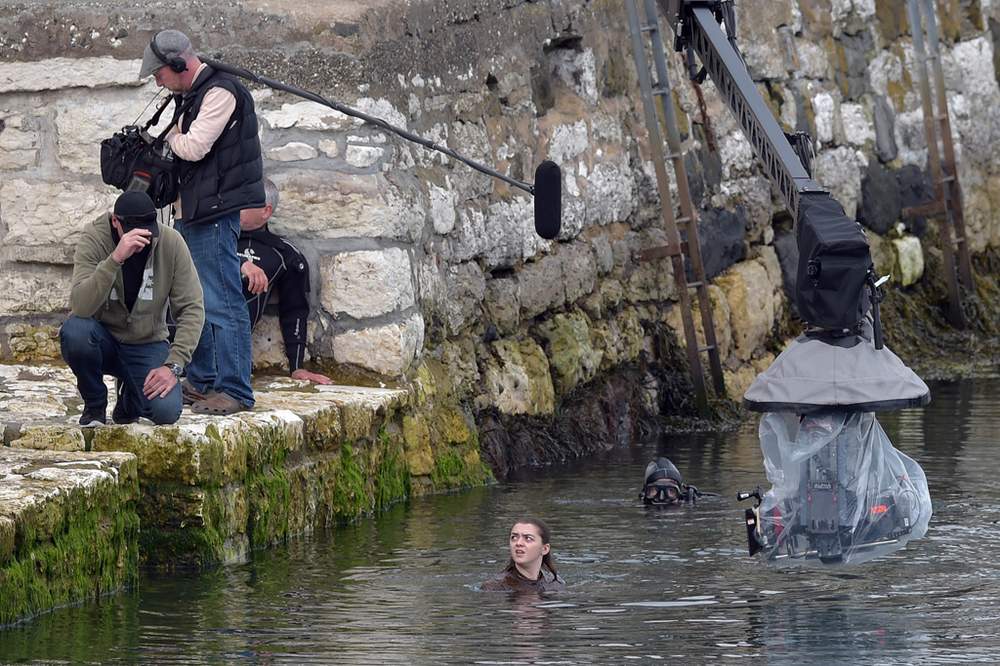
[940,158]
[676,249]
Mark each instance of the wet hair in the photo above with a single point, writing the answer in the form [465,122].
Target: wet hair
[546,535]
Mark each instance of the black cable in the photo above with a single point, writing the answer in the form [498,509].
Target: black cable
[378,122]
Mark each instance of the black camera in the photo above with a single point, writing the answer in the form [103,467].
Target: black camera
[839,512]
[133,160]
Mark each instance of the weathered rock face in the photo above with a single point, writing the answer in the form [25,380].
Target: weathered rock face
[415,256]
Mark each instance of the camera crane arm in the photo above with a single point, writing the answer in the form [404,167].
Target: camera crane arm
[696,25]
[835,286]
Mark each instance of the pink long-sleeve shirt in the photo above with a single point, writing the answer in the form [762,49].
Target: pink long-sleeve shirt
[216,110]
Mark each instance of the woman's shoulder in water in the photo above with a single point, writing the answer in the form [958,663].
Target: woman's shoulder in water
[513,581]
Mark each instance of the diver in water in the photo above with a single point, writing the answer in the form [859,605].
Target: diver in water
[664,485]
[530,552]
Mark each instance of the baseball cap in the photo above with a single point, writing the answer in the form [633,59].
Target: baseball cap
[170,43]
[136,210]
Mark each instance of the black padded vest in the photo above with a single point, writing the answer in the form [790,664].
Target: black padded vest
[231,176]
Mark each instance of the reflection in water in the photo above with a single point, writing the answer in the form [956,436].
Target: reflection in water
[649,584]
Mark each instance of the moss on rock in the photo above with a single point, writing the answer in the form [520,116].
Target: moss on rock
[77,544]
[349,497]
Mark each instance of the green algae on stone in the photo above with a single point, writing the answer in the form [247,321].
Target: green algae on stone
[189,527]
[572,358]
[87,547]
[349,497]
[417,439]
[358,420]
[323,431]
[168,453]
[51,438]
[33,344]
[517,377]
[269,504]
[452,472]
[391,477]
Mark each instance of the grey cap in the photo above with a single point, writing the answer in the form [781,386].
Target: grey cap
[170,43]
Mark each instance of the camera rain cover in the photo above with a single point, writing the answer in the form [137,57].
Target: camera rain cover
[841,493]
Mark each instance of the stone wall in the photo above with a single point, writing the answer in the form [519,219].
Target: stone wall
[210,489]
[425,268]
[69,529]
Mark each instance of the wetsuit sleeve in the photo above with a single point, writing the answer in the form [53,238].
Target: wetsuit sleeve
[293,313]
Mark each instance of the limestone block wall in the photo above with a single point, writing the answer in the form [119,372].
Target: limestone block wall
[420,263]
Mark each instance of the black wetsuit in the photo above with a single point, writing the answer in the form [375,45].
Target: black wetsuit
[288,276]
[513,581]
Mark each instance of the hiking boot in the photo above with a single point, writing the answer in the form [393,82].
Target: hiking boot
[121,415]
[218,404]
[93,417]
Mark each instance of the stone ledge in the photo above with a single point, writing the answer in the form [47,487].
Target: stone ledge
[214,488]
[68,528]
[59,73]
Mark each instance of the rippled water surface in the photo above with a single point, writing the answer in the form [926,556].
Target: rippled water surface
[643,585]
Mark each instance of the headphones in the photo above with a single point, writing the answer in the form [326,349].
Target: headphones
[175,63]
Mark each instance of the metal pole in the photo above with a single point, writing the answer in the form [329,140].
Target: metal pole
[934,162]
[666,203]
[953,189]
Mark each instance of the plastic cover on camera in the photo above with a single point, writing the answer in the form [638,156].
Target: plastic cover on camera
[841,493]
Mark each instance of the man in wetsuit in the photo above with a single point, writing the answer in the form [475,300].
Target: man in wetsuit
[271,265]
[663,485]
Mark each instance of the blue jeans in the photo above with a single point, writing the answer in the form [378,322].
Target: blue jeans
[222,360]
[92,352]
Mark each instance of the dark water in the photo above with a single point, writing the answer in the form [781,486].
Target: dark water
[648,586]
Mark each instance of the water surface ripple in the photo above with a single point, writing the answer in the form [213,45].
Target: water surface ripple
[643,585]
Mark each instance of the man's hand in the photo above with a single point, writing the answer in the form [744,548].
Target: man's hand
[132,242]
[256,277]
[159,382]
[313,377]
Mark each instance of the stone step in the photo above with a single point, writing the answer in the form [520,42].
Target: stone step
[213,488]
[69,528]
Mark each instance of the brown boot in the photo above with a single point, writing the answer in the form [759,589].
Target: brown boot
[218,404]
[191,395]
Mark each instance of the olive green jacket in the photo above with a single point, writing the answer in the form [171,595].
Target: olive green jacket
[98,290]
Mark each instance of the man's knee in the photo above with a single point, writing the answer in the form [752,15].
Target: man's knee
[77,337]
[164,411]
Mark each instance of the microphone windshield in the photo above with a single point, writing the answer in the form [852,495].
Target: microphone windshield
[548,199]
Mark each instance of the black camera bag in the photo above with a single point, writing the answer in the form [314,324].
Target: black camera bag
[133,160]
[831,289]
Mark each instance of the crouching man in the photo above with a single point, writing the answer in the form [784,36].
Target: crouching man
[126,271]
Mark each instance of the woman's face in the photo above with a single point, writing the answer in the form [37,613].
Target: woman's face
[526,545]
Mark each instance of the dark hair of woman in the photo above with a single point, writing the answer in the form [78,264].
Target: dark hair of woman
[546,535]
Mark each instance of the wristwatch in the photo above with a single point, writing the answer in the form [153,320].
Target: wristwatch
[175,368]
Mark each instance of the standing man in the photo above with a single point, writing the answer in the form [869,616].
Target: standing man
[126,270]
[220,172]
[273,265]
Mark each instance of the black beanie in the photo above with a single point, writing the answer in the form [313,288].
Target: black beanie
[135,209]
[135,205]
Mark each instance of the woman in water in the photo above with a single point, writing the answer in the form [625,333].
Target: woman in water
[530,552]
